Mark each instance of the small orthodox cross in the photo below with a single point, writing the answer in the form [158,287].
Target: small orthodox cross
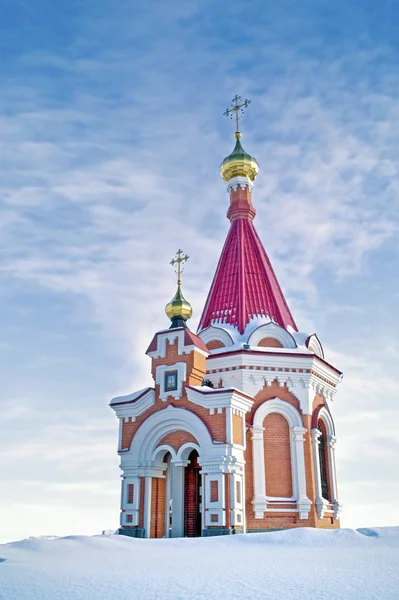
[178,261]
[237,107]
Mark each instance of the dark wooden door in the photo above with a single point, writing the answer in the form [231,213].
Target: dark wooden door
[192,497]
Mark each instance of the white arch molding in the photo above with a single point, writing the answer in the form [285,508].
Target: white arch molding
[217,334]
[272,330]
[297,431]
[160,424]
[322,504]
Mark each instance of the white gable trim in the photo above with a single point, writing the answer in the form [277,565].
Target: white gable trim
[272,330]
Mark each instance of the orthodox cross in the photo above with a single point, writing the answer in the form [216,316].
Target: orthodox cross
[237,107]
[178,261]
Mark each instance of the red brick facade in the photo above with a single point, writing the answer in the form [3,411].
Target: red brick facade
[278,458]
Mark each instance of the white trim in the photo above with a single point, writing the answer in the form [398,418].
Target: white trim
[241,181]
[320,502]
[249,372]
[130,407]
[313,344]
[147,506]
[272,330]
[185,450]
[217,399]
[297,431]
[163,448]
[181,368]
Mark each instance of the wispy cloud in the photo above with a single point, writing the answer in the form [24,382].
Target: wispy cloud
[110,143]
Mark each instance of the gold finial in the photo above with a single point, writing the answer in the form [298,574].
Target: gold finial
[238,163]
[237,107]
[178,261]
[179,310]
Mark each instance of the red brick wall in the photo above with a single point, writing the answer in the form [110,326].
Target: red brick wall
[214,491]
[158,505]
[277,456]
[196,363]
[176,439]
[270,343]
[214,344]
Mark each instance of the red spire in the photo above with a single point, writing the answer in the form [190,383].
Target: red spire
[244,284]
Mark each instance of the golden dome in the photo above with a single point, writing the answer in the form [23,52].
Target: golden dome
[239,163]
[178,308]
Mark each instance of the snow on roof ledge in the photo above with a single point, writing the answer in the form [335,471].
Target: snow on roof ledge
[130,397]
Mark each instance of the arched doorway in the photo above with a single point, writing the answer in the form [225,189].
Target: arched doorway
[192,497]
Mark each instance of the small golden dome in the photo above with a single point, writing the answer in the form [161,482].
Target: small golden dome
[239,163]
[178,308]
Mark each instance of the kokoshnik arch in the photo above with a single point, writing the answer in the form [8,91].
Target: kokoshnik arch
[236,435]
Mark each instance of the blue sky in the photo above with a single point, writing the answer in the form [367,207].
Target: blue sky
[111,135]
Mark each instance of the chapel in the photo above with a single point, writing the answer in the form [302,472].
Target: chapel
[236,434]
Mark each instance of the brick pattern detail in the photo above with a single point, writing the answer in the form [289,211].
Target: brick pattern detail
[196,363]
[270,343]
[277,456]
[158,505]
[176,439]
[128,430]
[237,430]
[192,515]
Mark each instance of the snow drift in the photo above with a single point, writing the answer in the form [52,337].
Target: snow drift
[285,565]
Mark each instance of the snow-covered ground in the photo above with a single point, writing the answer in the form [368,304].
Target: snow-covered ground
[285,565]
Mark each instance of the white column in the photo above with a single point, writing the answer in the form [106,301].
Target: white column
[333,476]
[320,503]
[168,497]
[122,496]
[258,459]
[177,495]
[147,506]
[304,503]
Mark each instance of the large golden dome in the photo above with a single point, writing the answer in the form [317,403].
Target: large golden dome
[239,163]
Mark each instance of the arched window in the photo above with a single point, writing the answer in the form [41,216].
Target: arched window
[323,458]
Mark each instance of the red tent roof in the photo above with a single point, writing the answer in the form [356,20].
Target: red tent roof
[244,284]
